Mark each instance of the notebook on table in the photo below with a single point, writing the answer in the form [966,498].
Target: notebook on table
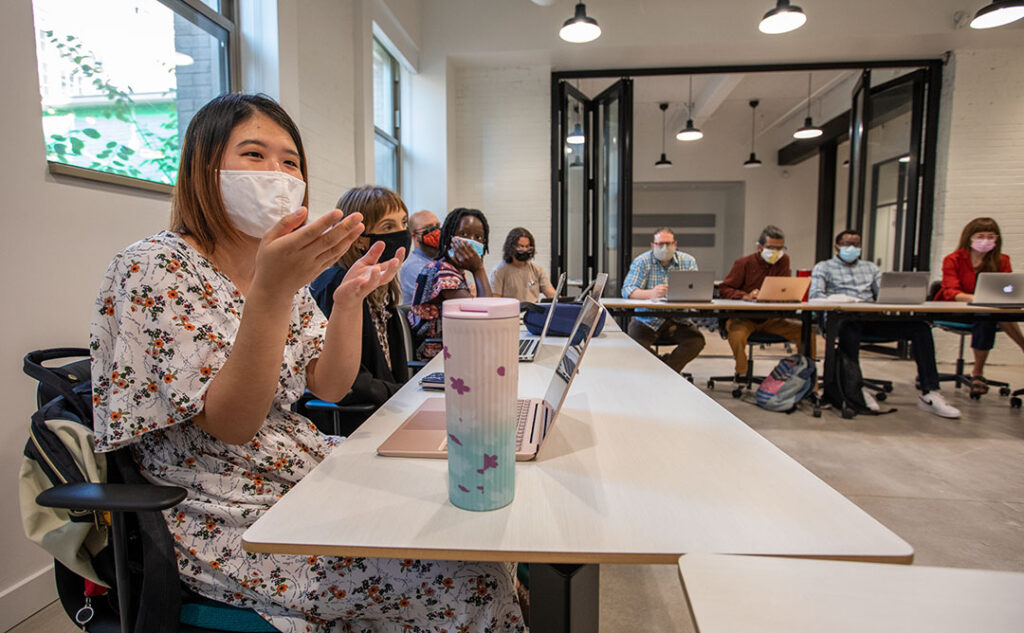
[999,290]
[528,347]
[690,286]
[903,288]
[783,289]
[424,433]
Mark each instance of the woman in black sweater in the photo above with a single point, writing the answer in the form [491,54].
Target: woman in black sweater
[384,366]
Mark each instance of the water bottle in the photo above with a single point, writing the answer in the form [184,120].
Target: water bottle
[481,370]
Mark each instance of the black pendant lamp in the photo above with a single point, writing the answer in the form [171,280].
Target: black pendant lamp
[689,133]
[753,161]
[809,130]
[580,28]
[663,162]
[782,19]
[998,13]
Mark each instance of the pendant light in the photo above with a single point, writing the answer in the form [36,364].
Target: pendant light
[580,28]
[998,13]
[782,19]
[753,161]
[809,130]
[663,162]
[689,133]
[576,137]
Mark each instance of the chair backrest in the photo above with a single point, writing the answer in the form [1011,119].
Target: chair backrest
[933,289]
[403,314]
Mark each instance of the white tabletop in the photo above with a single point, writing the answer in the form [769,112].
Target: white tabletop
[640,467]
[733,594]
[938,307]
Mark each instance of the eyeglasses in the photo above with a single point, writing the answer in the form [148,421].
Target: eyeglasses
[664,243]
[775,248]
[849,243]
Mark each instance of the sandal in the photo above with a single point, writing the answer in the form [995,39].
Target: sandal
[979,385]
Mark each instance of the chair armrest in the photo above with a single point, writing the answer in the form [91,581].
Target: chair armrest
[112,497]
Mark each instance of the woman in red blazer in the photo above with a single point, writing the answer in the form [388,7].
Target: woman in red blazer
[980,251]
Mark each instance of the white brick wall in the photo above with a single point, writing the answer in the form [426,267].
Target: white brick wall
[980,166]
[501,165]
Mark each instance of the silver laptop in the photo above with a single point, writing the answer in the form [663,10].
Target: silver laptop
[595,289]
[424,433]
[999,290]
[528,346]
[903,288]
[690,286]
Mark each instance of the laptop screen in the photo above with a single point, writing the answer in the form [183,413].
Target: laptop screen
[572,353]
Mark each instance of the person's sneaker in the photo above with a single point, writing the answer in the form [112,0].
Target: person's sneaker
[869,399]
[933,402]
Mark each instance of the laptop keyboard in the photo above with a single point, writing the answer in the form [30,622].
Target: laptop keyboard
[527,347]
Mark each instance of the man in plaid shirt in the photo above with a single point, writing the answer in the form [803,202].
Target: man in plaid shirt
[847,274]
[648,279]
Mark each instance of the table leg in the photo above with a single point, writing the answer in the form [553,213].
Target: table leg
[831,333]
[563,598]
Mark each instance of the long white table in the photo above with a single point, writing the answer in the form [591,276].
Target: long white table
[729,594]
[640,467]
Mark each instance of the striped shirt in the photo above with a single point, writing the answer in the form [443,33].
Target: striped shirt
[836,277]
[646,272]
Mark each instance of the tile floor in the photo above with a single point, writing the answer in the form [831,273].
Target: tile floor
[954,489]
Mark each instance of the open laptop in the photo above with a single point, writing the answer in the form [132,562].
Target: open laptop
[425,433]
[783,289]
[903,288]
[595,289]
[690,286]
[528,346]
[999,290]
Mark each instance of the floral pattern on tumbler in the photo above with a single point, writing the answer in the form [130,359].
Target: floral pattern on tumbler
[481,347]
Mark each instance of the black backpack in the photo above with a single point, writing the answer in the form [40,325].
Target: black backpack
[844,386]
[59,452]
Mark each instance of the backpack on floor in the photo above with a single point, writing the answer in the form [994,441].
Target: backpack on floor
[792,379]
[844,388]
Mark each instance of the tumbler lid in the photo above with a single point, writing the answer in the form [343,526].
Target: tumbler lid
[481,308]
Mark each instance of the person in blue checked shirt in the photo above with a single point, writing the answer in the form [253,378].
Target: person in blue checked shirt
[648,279]
[847,274]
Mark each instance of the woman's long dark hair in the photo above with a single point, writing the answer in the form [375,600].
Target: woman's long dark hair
[508,252]
[451,226]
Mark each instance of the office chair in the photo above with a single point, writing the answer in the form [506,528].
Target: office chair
[959,377]
[414,365]
[747,381]
[665,341]
[139,566]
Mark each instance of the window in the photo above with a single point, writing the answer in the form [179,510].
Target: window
[121,79]
[387,146]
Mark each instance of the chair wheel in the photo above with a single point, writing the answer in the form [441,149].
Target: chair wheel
[1015,402]
[711,384]
[690,378]
[847,413]
[880,396]
[1004,391]
[737,392]
[817,412]
[975,396]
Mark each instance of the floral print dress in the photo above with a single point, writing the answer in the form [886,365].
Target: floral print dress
[425,312]
[165,321]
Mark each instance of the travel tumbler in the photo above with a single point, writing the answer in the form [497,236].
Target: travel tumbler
[481,370]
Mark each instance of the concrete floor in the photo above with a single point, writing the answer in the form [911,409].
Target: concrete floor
[954,489]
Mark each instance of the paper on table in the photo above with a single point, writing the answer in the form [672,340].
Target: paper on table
[837,298]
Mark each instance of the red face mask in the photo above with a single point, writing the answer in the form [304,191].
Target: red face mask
[432,238]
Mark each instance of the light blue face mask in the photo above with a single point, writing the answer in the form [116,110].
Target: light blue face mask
[477,246]
[849,254]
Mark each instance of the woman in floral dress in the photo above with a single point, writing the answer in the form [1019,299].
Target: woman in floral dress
[203,337]
[464,238]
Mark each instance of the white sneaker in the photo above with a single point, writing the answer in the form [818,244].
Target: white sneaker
[933,402]
[869,399]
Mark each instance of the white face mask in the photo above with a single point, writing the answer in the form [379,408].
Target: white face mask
[771,255]
[257,200]
[664,253]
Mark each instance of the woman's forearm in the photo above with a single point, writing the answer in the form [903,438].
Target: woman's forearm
[331,375]
[241,394]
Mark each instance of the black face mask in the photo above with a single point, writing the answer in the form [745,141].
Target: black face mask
[523,256]
[392,242]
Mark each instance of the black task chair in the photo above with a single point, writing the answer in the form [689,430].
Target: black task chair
[959,377]
[761,339]
[138,564]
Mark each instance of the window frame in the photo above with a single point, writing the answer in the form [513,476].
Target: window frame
[393,141]
[227,19]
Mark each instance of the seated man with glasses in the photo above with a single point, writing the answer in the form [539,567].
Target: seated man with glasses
[744,282]
[426,235]
[848,275]
[648,279]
